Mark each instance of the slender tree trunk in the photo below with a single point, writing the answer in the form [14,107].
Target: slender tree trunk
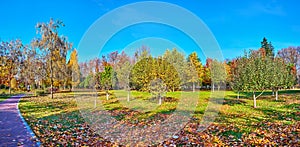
[95,102]
[219,87]
[107,95]
[273,91]
[213,87]
[254,100]
[238,95]
[276,95]
[51,77]
[128,95]
[159,97]
[193,86]
[9,85]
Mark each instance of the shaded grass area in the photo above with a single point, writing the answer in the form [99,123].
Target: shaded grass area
[4,97]
[237,119]
[4,94]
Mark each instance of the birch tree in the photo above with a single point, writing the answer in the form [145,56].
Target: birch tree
[55,47]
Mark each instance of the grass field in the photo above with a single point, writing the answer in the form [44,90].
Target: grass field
[4,94]
[3,98]
[58,121]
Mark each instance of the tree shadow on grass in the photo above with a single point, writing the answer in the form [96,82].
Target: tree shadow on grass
[170,99]
[228,101]
[266,94]
[232,102]
[293,106]
[274,115]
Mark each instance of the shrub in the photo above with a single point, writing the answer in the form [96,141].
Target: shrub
[2,86]
[40,92]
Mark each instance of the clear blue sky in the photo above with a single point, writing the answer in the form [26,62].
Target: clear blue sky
[236,24]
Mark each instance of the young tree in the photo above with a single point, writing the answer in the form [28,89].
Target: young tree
[106,79]
[192,75]
[176,69]
[73,70]
[238,75]
[11,59]
[3,67]
[55,47]
[280,76]
[291,56]
[218,74]
[173,66]
[13,83]
[122,69]
[255,74]
[157,88]
[141,74]
[229,76]
[195,64]
[113,58]
[28,68]
[207,73]
[88,82]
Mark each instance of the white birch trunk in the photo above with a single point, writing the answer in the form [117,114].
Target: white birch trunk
[128,96]
[254,100]
[107,95]
[193,86]
[159,102]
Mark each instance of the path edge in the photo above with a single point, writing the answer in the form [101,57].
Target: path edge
[38,143]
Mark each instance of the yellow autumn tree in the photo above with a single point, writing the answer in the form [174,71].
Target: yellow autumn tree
[73,70]
[13,83]
[196,66]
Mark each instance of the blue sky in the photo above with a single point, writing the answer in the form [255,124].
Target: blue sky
[237,25]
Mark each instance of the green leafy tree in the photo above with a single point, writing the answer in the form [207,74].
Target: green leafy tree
[254,72]
[122,69]
[106,79]
[280,76]
[238,75]
[88,82]
[157,88]
[176,66]
[141,74]
[218,74]
[123,72]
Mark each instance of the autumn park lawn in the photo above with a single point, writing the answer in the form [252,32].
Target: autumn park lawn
[3,98]
[4,94]
[58,121]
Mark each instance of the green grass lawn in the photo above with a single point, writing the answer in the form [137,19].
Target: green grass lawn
[3,98]
[58,121]
[4,94]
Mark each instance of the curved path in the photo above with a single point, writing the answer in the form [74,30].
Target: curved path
[14,131]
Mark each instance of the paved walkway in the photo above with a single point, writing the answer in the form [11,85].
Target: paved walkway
[14,131]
